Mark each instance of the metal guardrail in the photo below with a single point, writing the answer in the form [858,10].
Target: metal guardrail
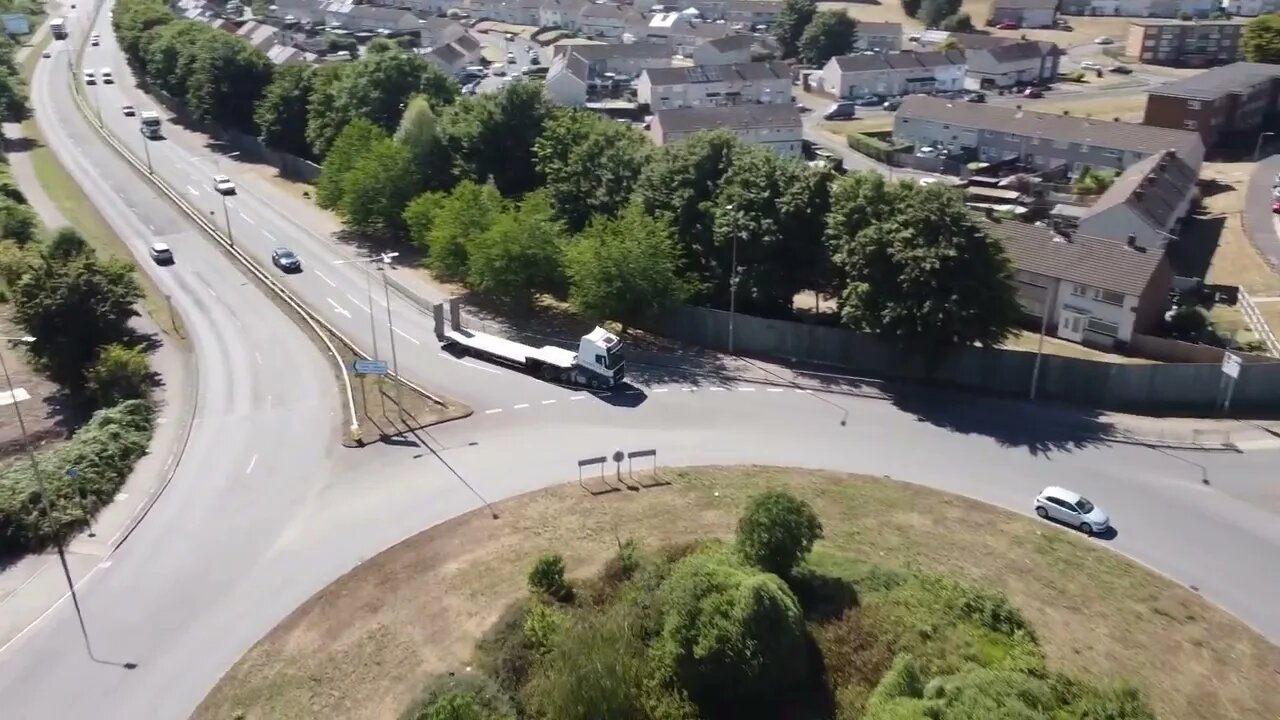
[313,320]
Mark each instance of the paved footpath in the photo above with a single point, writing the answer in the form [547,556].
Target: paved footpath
[34,585]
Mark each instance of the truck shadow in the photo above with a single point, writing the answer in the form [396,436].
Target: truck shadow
[625,395]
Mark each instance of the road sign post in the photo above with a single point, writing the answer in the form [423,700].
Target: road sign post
[370,367]
[1230,373]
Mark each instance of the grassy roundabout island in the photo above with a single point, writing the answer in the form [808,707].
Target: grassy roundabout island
[913,604]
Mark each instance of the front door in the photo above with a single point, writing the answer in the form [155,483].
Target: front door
[1071,326]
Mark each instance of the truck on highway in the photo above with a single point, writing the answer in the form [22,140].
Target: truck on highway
[150,120]
[58,27]
[598,363]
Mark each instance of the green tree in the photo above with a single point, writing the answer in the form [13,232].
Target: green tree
[169,54]
[492,137]
[420,216]
[591,164]
[831,33]
[419,133]
[1094,182]
[793,18]
[519,255]
[73,307]
[928,277]
[281,113]
[226,78]
[354,143]
[377,87]
[546,577]
[933,12]
[732,637]
[958,23]
[18,222]
[624,268]
[13,92]
[1261,41]
[466,696]
[911,7]
[1189,322]
[466,212]
[777,531]
[134,23]
[858,201]
[121,373]
[377,189]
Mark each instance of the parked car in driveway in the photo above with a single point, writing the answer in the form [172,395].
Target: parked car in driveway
[160,253]
[1071,508]
[1007,25]
[286,260]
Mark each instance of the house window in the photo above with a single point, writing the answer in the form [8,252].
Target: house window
[1109,297]
[1077,290]
[1102,327]
[1190,124]
[1193,104]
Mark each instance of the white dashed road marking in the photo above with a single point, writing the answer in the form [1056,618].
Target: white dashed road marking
[248,219]
[357,302]
[402,334]
[547,402]
[192,190]
[495,410]
[322,277]
[521,405]
[685,388]
[746,389]
[253,461]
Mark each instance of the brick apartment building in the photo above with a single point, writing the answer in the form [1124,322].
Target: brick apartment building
[1191,43]
[1227,105]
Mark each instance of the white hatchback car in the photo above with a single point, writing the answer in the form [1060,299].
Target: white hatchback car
[1072,509]
[223,185]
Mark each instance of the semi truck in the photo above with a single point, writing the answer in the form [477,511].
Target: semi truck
[150,120]
[598,364]
[58,27]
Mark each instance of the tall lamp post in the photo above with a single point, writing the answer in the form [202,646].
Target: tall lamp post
[382,261]
[217,165]
[1257,148]
[733,283]
[40,486]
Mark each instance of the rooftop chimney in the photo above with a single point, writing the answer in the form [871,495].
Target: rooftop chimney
[1132,240]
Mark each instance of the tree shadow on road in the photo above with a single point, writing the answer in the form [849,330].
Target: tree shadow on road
[1040,429]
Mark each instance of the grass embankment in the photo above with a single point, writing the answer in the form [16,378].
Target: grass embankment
[364,646]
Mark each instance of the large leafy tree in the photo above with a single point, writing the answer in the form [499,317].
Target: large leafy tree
[680,181]
[377,188]
[376,87]
[419,133]
[492,137]
[831,33]
[927,277]
[169,54]
[353,143]
[134,23]
[933,12]
[1262,39]
[227,77]
[793,18]
[282,111]
[591,164]
[74,303]
[858,201]
[466,212]
[13,92]
[420,216]
[773,210]
[519,255]
[911,7]
[624,268]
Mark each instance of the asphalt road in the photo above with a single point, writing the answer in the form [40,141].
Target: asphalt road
[1260,220]
[230,549]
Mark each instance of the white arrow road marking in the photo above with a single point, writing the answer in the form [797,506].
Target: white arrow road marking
[322,277]
[357,302]
[337,307]
[402,334]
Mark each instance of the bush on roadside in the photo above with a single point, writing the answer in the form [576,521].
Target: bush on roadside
[460,697]
[120,374]
[777,531]
[547,578]
[17,221]
[80,477]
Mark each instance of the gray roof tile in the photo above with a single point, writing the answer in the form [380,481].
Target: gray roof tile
[743,72]
[1106,264]
[1221,81]
[1154,188]
[683,120]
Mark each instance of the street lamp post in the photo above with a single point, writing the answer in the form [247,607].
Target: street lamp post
[217,165]
[40,487]
[383,260]
[1257,148]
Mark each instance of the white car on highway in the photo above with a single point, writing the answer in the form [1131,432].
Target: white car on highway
[107,78]
[223,185]
[1071,508]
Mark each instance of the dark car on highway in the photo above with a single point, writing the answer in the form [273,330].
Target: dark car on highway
[286,260]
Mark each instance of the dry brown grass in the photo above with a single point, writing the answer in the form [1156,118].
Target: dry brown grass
[1084,29]
[1028,341]
[1236,261]
[362,647]
[1128,108]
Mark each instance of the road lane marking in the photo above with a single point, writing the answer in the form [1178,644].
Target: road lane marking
[272,238]
[193,190]
[746,389]
[776,390]
[257,356]
[520,406]
[547,402]
[717,389]
[402,334]
[358,303]
[322,277]
[806,392]
[248,219]
[464,362]
[252,461]
[337,307]
[688,389]
[577,397]
[658,390]
[495,410]
[211,292]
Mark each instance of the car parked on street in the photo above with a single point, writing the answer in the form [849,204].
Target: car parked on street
[843,110]
[1104,40]
[892,104]
[1275,207]
[1090,65]
[1071,508]
[1007,25]
[286,260]
[867,101]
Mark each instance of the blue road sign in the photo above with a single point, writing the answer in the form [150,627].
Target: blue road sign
[371,367]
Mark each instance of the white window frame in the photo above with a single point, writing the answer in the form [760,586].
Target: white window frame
[1109,297]
[1193,104]
[1089,325]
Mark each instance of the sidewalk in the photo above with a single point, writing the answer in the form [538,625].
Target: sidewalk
[1259,221]
[34,585]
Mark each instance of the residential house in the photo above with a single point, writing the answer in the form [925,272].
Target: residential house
[287,55]
[1043,140]
[1227,105]
[1026,13]
[714,85]
[725,50]
[1010,64]
[1146,203]
[349,16]
[260,35]
[777,127]
[423,7]
[603,20]
[1252,8]
[1140,8]
[560,13]
[514,12]
[1196,43]
[1095,291]
[893,73]
[683,34]
[448,57]
[879,37]
[742,12]
[576,69]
